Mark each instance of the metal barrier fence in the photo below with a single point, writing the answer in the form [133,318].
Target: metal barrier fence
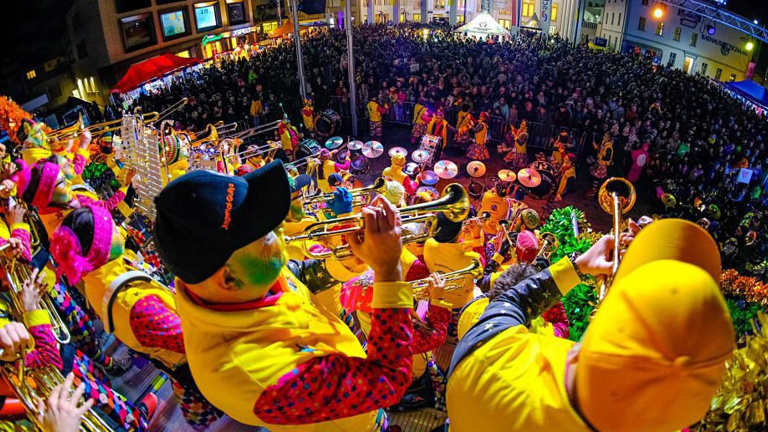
[540,135]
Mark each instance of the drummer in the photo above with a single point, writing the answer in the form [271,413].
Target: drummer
[396,173]
[421,118]
[329,166]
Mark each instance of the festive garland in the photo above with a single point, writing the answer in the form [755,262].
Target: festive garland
[580,301]
[740,403]
[99,176]
[11,116]
[744,287]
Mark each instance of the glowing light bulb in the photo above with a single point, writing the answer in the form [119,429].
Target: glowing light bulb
[750,46]
[658,12]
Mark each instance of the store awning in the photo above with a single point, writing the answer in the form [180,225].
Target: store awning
[286,28]
[750,90]
[151,69]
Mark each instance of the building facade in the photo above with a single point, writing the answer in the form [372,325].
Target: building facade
[676,38]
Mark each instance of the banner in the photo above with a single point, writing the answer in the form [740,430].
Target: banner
[545,15]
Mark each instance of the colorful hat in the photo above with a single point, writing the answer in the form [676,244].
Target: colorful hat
[654,354]
[530,218]
[527,247]
[47,172]
[67,250]
[398,160]
[171,148]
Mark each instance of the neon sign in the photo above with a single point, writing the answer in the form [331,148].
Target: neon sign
[212,38]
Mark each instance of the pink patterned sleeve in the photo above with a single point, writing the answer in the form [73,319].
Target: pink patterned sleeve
[111,203]
[156,326]
[26,238]
[336,386]
[46,352]
[434,332]
[78,163]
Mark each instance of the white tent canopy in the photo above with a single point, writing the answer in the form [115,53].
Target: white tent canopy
[483,25]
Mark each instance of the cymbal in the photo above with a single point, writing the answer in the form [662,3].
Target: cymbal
[334,142]
[420,156]
[429,178]
[529,177]
[446,169]
[506,175]
[355,145]
[398,150]
[373,149]
[476,169]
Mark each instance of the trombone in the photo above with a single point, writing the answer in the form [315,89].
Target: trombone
[453,203]
[360,197]
[269,149]
[453,280]
[616,196]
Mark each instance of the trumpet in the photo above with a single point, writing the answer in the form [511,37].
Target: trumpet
[454,204]
[304,160]
[616,197]
[549,244]
[453,280]
[45,379]
[484,217]
[360,197]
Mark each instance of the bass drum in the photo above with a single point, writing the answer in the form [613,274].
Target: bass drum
[307,147]
[328,124]
[548,182]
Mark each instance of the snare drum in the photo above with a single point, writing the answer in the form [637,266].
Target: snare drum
[430,143]
[411,168]
[307,148]
[359,165]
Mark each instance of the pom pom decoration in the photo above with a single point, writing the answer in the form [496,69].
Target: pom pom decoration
[11,116]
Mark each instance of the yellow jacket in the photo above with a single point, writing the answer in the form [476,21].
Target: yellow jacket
[373,111]
[96,289]
[448,257]
[254,348]
[516,380]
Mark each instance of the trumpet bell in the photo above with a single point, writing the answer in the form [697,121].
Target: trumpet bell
[620,188]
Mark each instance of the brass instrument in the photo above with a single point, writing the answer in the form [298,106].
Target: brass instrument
[304,160]
[453,203]
[258,130]
[616,196]
[484,217]
[17,273]
[549,244]
[505,227]
[360,197]
[45,379]
[154,117]
[268,149]
[453,280]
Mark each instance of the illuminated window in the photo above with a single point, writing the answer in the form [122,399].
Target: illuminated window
[439,4]
[676,37]
[641,24]
[529,8]
[555,6]
[417,17]
[694,38]
[268,27]
[660,29]
[505,23]
[31,74]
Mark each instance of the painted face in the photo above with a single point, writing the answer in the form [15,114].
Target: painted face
[296,212]
[256,266]
[62,192]
[118,244]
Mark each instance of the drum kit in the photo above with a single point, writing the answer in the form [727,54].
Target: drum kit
[328,123]
[372,149]
[394,151]
[446,169]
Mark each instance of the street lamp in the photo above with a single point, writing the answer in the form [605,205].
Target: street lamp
[750,46]
[658,12]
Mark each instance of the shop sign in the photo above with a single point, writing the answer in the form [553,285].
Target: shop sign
[725,47]
[242,31]
[212,38]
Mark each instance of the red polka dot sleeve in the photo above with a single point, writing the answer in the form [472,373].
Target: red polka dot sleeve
[156,326]
[336,386]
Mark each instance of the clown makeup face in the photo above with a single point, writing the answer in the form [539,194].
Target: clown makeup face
[62,191]
[118,244]
[257,266]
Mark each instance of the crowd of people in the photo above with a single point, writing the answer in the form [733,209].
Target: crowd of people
[339,331]
[684,133]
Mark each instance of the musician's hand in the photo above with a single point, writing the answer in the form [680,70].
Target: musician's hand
[13,337]
[85,139]
[598,260]
[341,202]
[6,188]
[63,412]
[129,175]
[15,215]
[15,247]
[378,244]
[436,286]
[33,290]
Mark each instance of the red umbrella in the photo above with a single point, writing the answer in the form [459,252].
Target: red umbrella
[151,69]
